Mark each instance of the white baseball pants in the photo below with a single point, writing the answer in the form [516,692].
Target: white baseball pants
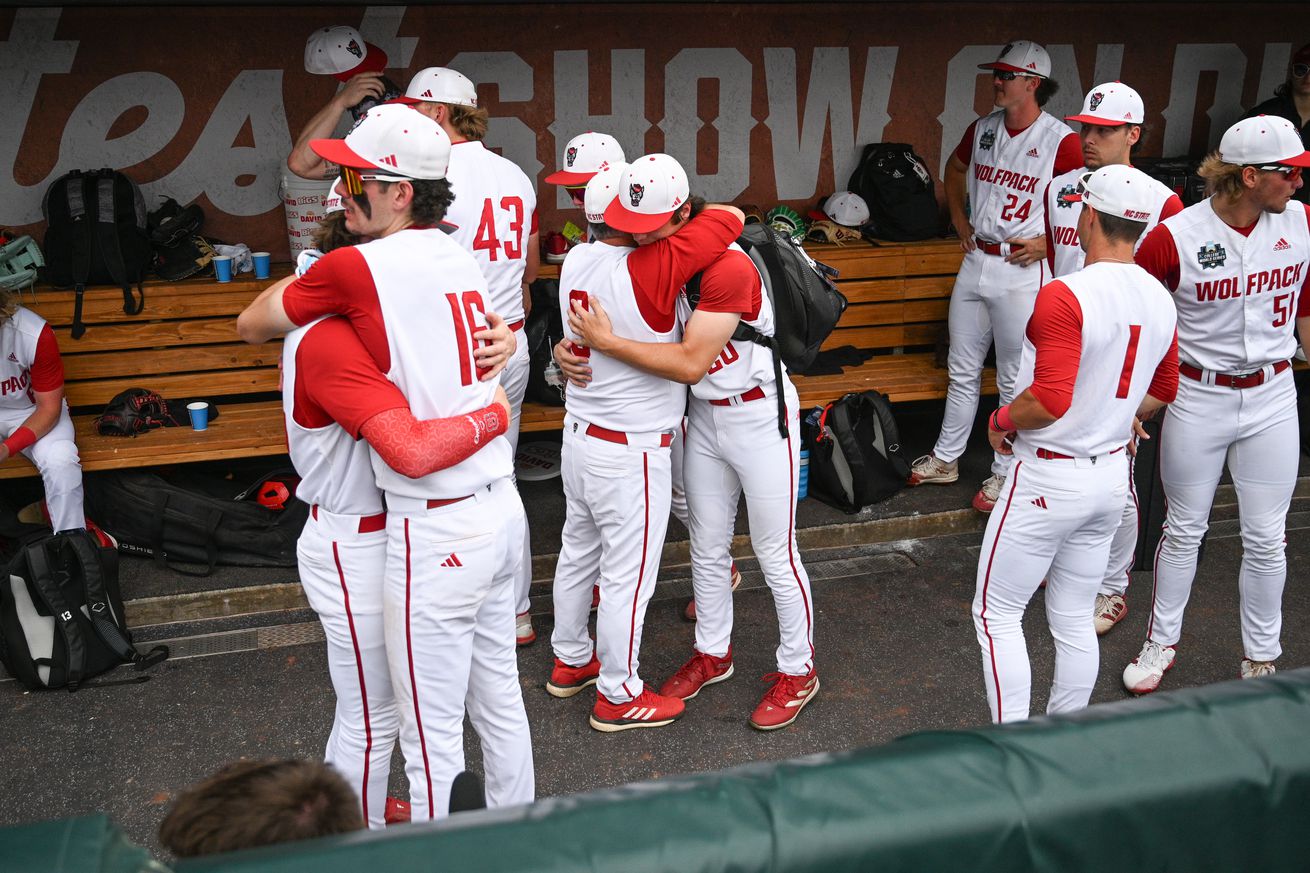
[1054,520]
[733,450]
[448,608]
[56,459]
[678,503]
[991,301]
[514,379]
[1123,547]
[342,572]
[1256,431]
[618,511]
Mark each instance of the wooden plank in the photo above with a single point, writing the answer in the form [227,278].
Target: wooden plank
[155,334]
[160,307]
[892,336]
[192,359]
[98,392]
[884,290]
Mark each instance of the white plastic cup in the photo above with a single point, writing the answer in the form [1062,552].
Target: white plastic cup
[263,264]
[199,412]
[223,268]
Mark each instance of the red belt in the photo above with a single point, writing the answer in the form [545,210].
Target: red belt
[1224,380]
[756,393]
[367,523]
[618,436]
[437,504]
[1048,455]
[513,326]
[988,248]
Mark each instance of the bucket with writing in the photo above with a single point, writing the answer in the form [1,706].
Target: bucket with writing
[303,201]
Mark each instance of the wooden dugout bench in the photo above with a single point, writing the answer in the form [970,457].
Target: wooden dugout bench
[184,344]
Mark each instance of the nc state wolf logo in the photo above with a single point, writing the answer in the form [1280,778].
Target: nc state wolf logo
[354,49]
[1095,101]
[635,193]
[570,156]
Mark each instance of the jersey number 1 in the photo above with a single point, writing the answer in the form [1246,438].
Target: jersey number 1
[486,240]
[1130,358]
[462,308]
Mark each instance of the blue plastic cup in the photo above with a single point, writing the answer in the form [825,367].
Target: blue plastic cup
[262,264]
[199,412]
[803,478]
[223,268]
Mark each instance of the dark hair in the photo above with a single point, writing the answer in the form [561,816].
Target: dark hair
[1046,89]
[602,231]
[432,199]
[331,234]
[1285,89]
[259,803]
[1116,228]
[697,205]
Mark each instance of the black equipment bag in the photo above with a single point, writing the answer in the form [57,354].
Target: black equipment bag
[855,452]
[543,328]
[194,518]
[899,191]
[1178,174]
[61,614]
[96,235]
[806,303]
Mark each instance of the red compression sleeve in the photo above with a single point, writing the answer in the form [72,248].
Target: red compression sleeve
[659,270]
[19,440]
[1164,384]
[416,448]
[1056,331]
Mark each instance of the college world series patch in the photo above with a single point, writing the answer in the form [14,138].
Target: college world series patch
[987,141]
[1211,255]
[1066,191]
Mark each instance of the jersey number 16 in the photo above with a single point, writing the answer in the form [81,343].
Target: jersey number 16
[469,316]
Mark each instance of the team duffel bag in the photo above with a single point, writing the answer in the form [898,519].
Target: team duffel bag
[855,453]
[195,518]
[61,614]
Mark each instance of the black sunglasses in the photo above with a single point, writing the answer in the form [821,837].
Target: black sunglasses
[1300,71]
[1010,75]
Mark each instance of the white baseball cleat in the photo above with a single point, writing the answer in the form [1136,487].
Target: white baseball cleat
[930,471]
[989,493]
[1110,610]
[524,633]
[1256,669]
[1143,675]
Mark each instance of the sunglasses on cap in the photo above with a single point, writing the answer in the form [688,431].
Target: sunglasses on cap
[1010,75]
[1292,173]
[1300,71]
[577,194]
[355,180]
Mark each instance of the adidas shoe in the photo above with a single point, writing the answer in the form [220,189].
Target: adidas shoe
[1110,610]
[397,811]
[1256,669]
[1143,675]
[566,681]
[930,471]
[694,675]
[989,493]
[689,611]
[646,710]
[524,634]
[784,701]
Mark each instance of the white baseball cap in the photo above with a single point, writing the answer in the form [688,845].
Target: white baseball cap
[601,191]
[395,141]
[341,52]
[1022,56]
[1111,105]
[332,201]
[1265,139]
[440,85]
[651,190]
[584,156]
[847,209]
[1118,190]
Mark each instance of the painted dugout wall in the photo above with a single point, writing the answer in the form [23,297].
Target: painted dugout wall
[762,104]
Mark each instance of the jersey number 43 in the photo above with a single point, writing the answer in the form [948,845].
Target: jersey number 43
[487,240]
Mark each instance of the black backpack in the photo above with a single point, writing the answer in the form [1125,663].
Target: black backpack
[61,614]
[544,328]
[899,191]
[806,303]
[96,235]
[1178,174]
[855,453]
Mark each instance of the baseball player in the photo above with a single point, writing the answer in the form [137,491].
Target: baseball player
[495,218]
[1100,349]
[1002,164]
[1111,121]
[454,537]
[735,444]
[617,431]
[1238,263]
[33,414]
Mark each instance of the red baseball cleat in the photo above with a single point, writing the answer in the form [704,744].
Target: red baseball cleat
[397,811]
[689,611]
[694,675]
[646,710]
[566,681]
[785,700]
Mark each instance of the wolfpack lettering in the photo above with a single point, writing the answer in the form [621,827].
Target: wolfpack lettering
[16,384]
[1065,236]
[1256,283]
[1005,178]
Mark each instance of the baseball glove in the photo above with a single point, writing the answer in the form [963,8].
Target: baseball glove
[133,412]
[831,232]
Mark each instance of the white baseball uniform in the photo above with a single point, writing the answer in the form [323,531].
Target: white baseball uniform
[454,538]
[330,388]
[1064,255]
[29,362]
[1238,294]
[616,468]
[734,447]
[1007,173]
[1098,341]
[494,213]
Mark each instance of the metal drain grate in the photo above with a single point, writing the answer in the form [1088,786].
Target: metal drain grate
[252,639]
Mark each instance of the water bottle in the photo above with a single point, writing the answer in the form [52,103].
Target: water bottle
[803,479]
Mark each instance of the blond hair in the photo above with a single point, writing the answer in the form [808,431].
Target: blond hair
[8,304]
[471,123]
[1222,180]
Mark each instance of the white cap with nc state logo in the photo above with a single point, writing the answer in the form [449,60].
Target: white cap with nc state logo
[651,190]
